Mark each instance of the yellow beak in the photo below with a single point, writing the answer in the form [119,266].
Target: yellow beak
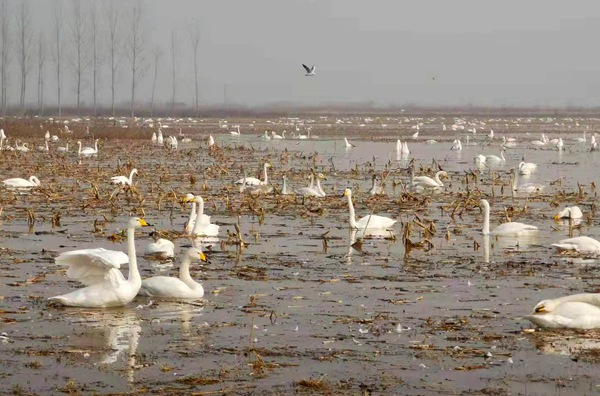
[203,257]
[540,309]
[143,223]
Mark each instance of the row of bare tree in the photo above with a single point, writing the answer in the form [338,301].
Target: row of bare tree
[85,37]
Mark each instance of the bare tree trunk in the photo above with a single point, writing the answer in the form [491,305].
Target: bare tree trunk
[5,59]
[113,18]
[195,39]
[135,51]
[24,41]
[156,55]
[40,85]
[94,31]
[173,68]
[57,21]
[78,61]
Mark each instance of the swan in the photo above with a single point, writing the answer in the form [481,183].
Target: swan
[508,142]
[275,135]
[266,136]
[153,138]
[284,188]
[204,219]
[43,148]
[593,143]
[123,180]
[512,228]
[577,311]
[491,134]
[18,182]
[582,139]
[235,133]
[398,146]
[347,143]
[170,287]
[457,145]
[582,244]
[99,270]
[162,248]
[416,134]
[560,145]
[570,212]
[21,147]
[312,190]
[202,228]
[88,151]
[495,158]
[47,136]
[253,181]
[526,168]
[159,138]
[375,188]
[369,221]
[528,188]
[428,182]
[63,149]
[211,141]
[405,151]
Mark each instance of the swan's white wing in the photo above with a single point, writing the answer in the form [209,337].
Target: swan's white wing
[306,68]
[91,266]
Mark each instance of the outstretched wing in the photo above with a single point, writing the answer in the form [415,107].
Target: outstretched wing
[306,68]
[91,266]
[313,69]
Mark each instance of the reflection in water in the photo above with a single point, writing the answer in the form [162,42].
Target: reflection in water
[119,330]
[559,343]
[355,236]
[516,242]
[168,313]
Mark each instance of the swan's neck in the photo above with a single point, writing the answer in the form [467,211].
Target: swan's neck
[134,274]
[319,189]
[131,177]
[486,220]
[198,216]
[312,181]
[192,216]
[265,177]
[437,179]
[515,181]
[184,273]
[352,215]
[79,143]
[284,188]
[502,155]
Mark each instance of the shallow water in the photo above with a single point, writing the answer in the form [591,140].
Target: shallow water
[300,308]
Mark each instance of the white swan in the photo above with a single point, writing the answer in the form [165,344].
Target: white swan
[312,190]
[253,181]
[170,287]
[235,133]
[577,311]
[528,188]
[202,228]
[457,145]
[495,158]
[560,144]
[405,151]
[44,148]
[284,188]
[375,188]
[99,270]
[18,182]
[275,135]
[162,248]
[159,138]
[153,138]
[512,228]
[22,147]
[211,141]
[526,168]
[123,180]
[581,244]
[88,151]
[570,212]
[63,149]
[347,143]
[368,221]
[204,218]
[428,182]
[399,146]
[582,139]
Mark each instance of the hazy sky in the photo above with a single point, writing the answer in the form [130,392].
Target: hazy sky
[436,52]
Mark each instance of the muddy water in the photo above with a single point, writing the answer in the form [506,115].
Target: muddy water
[302,307]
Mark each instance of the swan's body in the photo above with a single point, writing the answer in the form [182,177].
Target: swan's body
[235,133]
[375,188]
[369,221]
[312,190]
[204,219]
[253,181]
[582,244]
[494,158]
[162,248]
[582,139]
[577,311]
[284,188]
[457,145]
[99,270]
[405,151]
[275,135]
[512,229]
[428,182]
[570,212]
[202,228]
[182,287]
[18,182]
[159,138]
[211,141]
[44,148]
[63,149]
[526,168]
[123,180]
[153,138]
[528,188]
[88,151]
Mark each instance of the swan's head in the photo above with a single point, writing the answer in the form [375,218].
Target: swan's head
[563,213]
[35,181]
[321,176]
[134,171]
[188,198]
[267,165]
[347,192]
[544,306]
[137,222]
[484,203]
[197,255]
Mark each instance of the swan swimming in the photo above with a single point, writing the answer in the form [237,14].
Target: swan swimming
[577,311]
[123,180]
[581,244]
[18,182]
[512,228]
[368,221]
[570,212]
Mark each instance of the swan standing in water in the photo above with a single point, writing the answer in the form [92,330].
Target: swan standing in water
[368,221]
[526,168]
[88,151]
[253,181]
[312,190]
[204,218]
[236,133]
[375,188]
[18,182]
[123,180]
[513,229]
[570,212]
[203,228]
[170,287]
[582,244]
[211,141]
[457,145]
[63,149]
[99,270]
[577,311]
[428,182]
[528,188]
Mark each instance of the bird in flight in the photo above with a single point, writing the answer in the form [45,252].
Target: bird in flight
[310,71]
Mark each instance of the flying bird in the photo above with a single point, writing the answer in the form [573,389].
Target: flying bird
[310,71]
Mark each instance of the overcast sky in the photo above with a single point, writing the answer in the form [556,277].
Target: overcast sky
[436,52]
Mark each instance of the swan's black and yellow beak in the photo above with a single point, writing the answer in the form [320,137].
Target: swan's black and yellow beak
[203,257]
[143,223]
[541,309]
[556,218]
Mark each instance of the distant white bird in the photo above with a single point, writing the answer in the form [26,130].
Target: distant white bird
[348,144]
[159,138]
[525,168]
[570,212]
[416,134]
[124,180]
[491,135]
[235,133]
[47,136]
[211,141]
[581,139]
[457,145]
[19,183]
[310,71]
